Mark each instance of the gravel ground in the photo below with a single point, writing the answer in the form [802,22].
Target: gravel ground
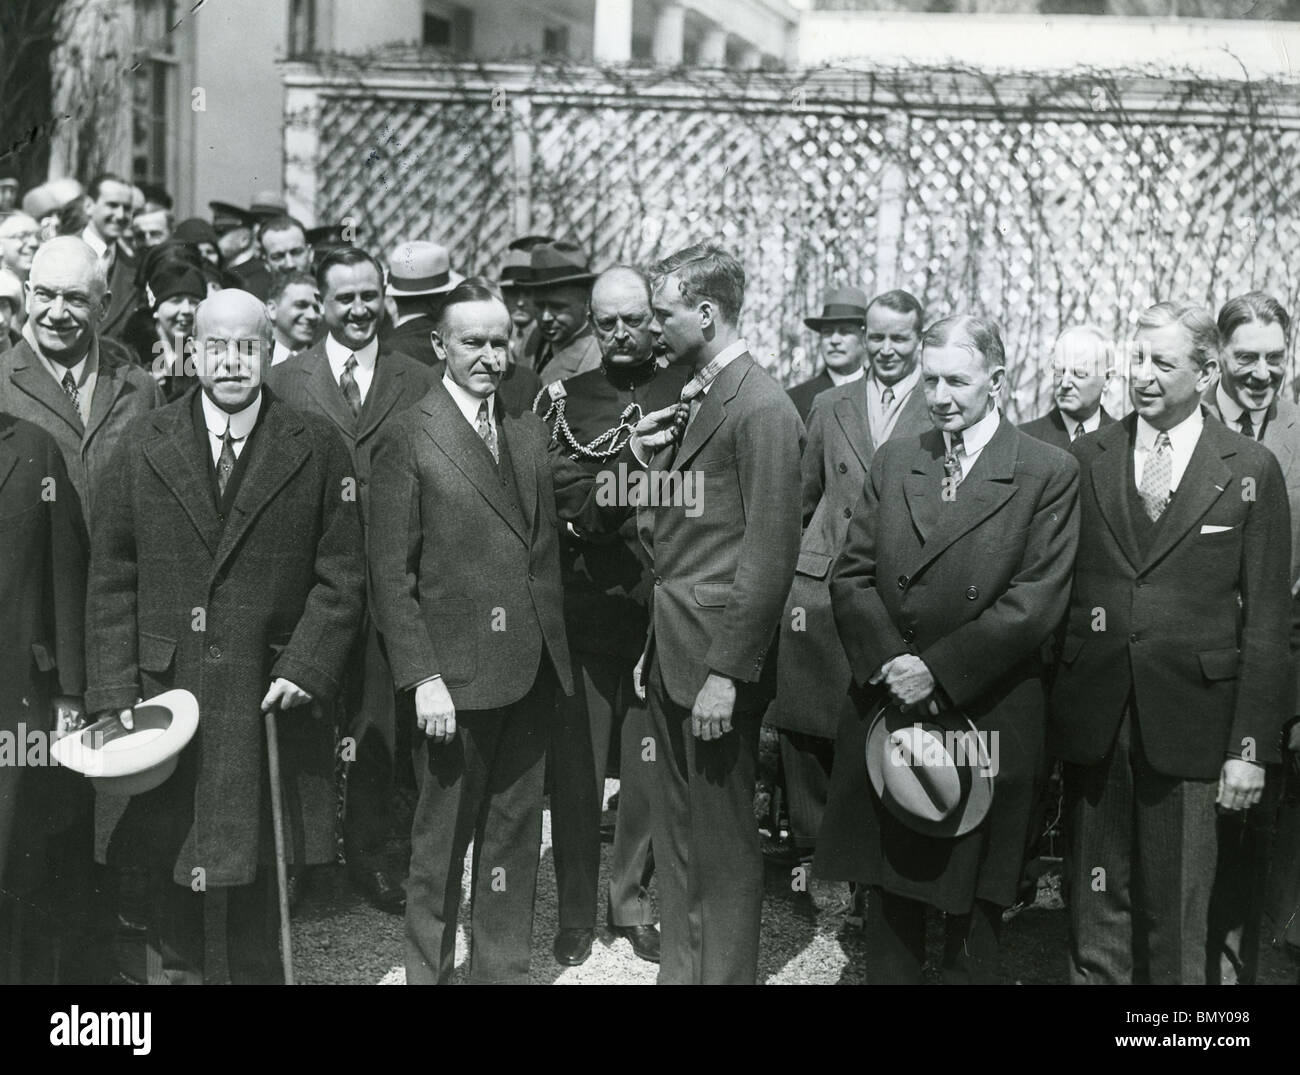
[340,939]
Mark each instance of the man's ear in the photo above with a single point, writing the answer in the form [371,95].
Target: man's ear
[439,348]
[708,315]
[997,381]
[104,304]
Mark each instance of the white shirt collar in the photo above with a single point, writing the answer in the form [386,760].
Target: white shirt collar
[838,379]
[974,438]
[725,358]
[240,422]
[1182,438]
[338,353]
[902,389]
[404,318]
[280,352]
[92,239]
[1090,424]
[1231,409]
[467,402]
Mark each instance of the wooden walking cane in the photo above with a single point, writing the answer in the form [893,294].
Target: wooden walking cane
[277,823]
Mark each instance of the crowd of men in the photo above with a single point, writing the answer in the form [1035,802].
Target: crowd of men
[496,538]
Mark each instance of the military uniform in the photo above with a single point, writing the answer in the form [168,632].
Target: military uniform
[606,592]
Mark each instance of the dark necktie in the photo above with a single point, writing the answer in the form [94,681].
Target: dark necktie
[226,461]
[348,383]
[70,387]
[1245,425]
[544,356]
[952,461]
[1157,477]
[487,431]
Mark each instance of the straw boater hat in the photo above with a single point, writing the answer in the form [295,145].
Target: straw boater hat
[841,304]
[122,762]
[559,262]
[932,773]
[420,268]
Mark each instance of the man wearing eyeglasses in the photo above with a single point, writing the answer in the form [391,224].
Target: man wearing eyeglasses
[606,594]
[20,236]
[1081,367]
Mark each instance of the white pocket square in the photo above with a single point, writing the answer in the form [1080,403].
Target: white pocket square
[1214,529]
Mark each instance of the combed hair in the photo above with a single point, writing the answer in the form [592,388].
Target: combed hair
[92,191]
[974,333]
[465,291]
[705,271]
[901,302]
[1252,306]
[281,222]
[1197,321]
[347,255]
[280,281]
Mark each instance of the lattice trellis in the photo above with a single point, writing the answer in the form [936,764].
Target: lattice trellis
[1038,217]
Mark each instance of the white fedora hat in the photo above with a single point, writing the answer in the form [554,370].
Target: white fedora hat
[128,762]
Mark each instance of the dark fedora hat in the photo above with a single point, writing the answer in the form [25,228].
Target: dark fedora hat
[559,262]
[227,217]
[933,773]
[841,304]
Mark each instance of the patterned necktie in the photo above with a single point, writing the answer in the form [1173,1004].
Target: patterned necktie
[693,390]
[70,387]
[887,397]
[952,461]
[486,430]
[226,461]
[348,383]
[1157,476]
[1078,432]
[1245,425]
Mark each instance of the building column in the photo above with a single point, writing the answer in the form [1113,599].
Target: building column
[749,58]
[713,48]
[612,31]
[670,32]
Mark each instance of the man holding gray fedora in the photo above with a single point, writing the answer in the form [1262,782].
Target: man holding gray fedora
[955,570]
[227,561]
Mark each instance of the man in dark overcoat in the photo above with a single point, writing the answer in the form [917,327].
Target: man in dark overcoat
[42,675]
[228,561]
[955,571]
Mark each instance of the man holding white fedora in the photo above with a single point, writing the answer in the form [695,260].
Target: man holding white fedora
[418,273]
[227,561]
[955,570]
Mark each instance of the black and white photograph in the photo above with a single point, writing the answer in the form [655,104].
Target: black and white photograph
[631,492]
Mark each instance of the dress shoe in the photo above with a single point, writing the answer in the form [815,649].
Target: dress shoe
[380,891]
[644,939]
[573,946]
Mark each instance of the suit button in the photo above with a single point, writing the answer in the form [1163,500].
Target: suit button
[214,651]
[532,577]
[843,468]
[902,582]
[1135,637]
[659,580]
[848,513]
[972,593]
[909,636]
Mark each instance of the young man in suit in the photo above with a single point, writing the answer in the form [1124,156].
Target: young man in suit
[228,561]
[722,572]
[845,426]
[359,385]
[1253,333]
[63,377]
[1081,367]
[1174,676]
[108,204]
[955,570]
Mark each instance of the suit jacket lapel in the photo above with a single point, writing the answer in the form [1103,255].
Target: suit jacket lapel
[1279,437]
[1110,484]
[30,376]
[175,460]
[326,392]
[853,421]
[983,491]
[109,383]
[923,486]
[1205,480]
[523,461]
[713,410]
[459,442]
[914,418]
[383,395]
[8,457]
[279,451]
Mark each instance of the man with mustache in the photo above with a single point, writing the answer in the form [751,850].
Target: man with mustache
[1081,366]
[360,385]
[1253,333]
[606,591]
[559,283]
[1174,676]
[294,307]
[228,561]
